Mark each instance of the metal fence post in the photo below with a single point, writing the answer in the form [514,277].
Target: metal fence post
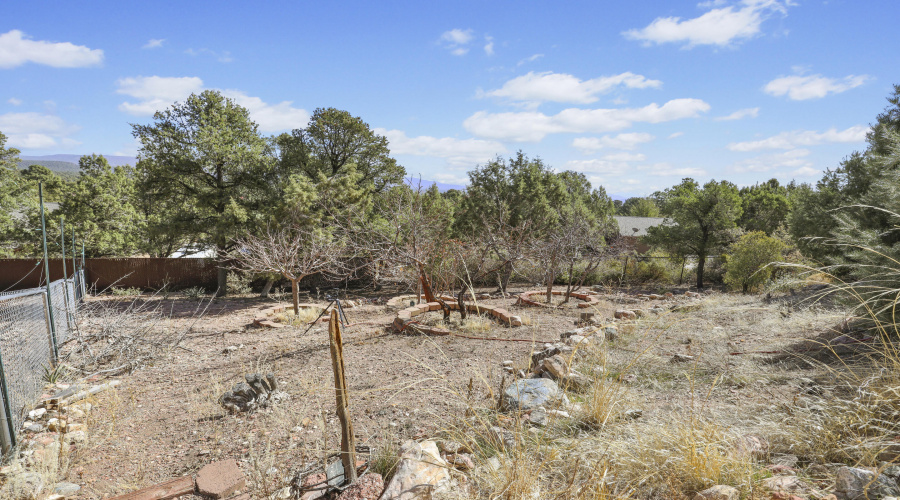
[62,247]
[7,430]
[47,271]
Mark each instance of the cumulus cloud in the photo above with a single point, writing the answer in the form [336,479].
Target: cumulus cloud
[16,49]
[622,164]
[799,87]
[531,126]
[458,40]
[155,93]
[588,145]
[37,131]
[529,59]
[740,114]
[795,159]
[561,87]
[14,101]
[489,45]
[457,152]
[719,26]
[154,43]
[796,138]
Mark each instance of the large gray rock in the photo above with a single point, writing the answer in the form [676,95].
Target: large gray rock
[421,473]
[852,483]
[529,393]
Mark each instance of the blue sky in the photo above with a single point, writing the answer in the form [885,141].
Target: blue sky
[636,94]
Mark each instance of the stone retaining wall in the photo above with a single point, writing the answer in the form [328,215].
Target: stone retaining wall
[587,299]
[405,317]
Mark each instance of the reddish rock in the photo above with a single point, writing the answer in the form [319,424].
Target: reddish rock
[220,479]
[368,487]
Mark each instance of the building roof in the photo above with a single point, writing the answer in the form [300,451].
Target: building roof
[636,226]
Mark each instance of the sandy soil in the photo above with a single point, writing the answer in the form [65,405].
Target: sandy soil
[165,421]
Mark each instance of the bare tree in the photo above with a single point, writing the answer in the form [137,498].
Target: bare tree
[292,252]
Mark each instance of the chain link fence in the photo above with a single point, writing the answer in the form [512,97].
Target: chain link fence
[31,329]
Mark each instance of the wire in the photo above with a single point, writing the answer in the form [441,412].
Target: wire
[38,263]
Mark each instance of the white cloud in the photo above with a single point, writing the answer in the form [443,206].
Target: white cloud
[223,57]
[588,145]
[17,49]
[154,43]
[791,140]
[667,169]
[720,26]
[806,172]
[561,87]
[800,87]
[14,101]
[529,59]
[37,131]
[675,135]
[457,152]
[155,93]
[489,45]
[795,158]
[624,157]
[531,126]
[457,41]
[599,167]
[740,114]
[270,117]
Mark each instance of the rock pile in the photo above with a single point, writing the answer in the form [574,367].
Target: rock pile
[257,391]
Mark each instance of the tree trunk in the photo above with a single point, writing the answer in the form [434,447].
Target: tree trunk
[701,263]
[460,300]
[222,279]
[267,288]
[505,276]
[295,293]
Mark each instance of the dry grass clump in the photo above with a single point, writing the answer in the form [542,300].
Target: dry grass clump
[306,315]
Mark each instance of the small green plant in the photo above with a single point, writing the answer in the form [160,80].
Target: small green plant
[194,292]
[126,292]
[55,374]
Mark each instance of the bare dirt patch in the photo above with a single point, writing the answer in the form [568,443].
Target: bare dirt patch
[165,421]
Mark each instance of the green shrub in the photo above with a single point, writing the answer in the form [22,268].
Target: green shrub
[747,266]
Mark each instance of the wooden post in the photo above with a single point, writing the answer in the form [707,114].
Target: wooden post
[348,444]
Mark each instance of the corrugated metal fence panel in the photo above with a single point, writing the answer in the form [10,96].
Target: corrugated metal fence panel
[144,273]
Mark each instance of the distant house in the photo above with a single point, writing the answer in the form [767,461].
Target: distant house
[632,228]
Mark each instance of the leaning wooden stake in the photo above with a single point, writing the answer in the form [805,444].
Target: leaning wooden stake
[348,445]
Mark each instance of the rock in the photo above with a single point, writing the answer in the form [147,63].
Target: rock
[220,479]
[633,414]
[787,485]
[785,460]
[461,461]
[66,489]
[529,393]
[77,437]
[751,446]
[624,314]
[578,340]
[638,313]
[282,494]
[368,487]
[576,381]
[853,483]
[515,321]
[549,350]
[35,428]
[36,414]
[610,333]
[257,391]
[718,492]
[559,413]
[556,366]
[538,416]
[421,473]
[452,447]
[506,363]
[681,358]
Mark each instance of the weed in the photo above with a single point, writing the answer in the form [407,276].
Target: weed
[125,292]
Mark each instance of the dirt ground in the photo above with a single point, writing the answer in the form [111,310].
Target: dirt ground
[165,420]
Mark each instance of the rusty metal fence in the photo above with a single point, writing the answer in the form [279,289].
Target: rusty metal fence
[33,324]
